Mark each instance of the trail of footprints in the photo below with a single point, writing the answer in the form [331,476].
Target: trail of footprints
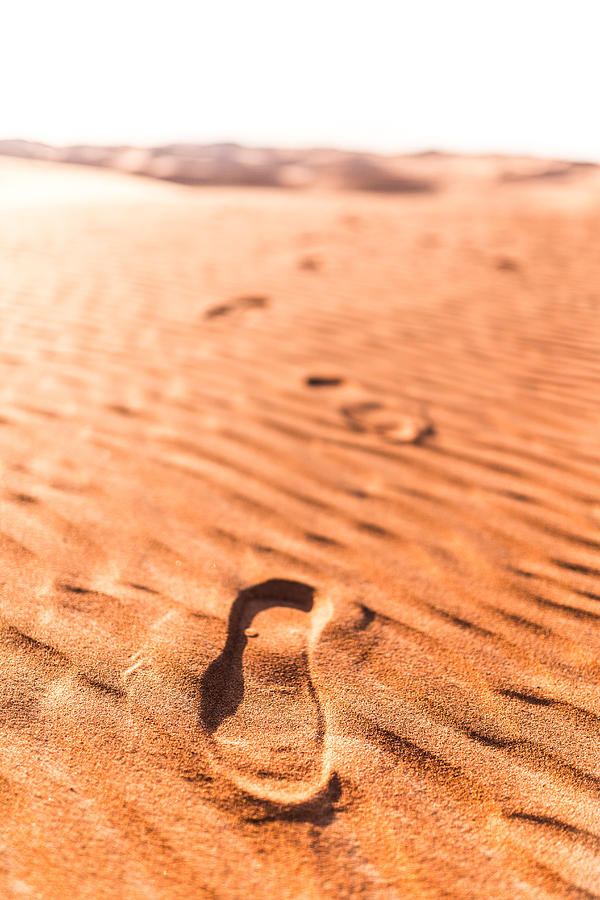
[361,412]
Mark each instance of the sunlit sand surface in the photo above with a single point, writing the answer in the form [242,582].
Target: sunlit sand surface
[299,537]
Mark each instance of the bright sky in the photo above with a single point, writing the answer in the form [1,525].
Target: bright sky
[518,76]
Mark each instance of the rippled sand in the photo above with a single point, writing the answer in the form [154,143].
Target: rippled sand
[299,540]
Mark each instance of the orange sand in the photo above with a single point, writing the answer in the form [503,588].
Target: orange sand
[299,538]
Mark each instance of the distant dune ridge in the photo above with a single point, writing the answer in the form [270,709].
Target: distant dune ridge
[235,165]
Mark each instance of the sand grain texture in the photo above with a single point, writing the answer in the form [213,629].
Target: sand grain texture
[299,540]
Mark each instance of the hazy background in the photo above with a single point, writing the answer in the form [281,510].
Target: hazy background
[516,77]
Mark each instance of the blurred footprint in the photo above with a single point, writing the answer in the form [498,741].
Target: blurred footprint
[250,301]
[364,413]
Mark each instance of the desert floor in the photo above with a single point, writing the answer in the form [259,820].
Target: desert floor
[299,540]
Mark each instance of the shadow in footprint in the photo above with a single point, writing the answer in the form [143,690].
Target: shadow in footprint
[319,381]
[222,684]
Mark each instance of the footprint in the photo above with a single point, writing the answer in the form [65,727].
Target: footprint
[309,263]
[222,309]
[254,711]
[260,710]
[364,414]
[250,301]
[507,264]
[389,424]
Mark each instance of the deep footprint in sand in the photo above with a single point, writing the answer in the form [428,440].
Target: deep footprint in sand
[364,414]
[245,698]
[260,706]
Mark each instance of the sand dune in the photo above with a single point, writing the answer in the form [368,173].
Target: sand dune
[234,165]
[299,537]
